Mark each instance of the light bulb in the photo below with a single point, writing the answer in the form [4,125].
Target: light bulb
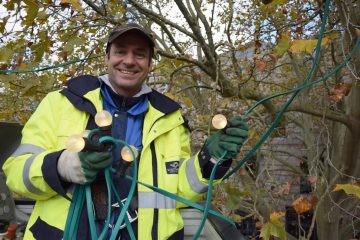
[126,153]
[219,121]
[103,118]
[85,133]
[75,143]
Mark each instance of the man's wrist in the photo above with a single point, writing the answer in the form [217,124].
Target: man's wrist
[207,162]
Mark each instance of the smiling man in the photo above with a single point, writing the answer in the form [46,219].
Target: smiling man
[42,169]
[129,60]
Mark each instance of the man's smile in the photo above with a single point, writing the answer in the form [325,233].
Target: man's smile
[127,71]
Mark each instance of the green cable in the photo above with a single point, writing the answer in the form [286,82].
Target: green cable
[89,206]
[296,90]
[108,188]
[73,214]
[131,191]
[128,199]
[182,200]
[48,67]
[73,218]
[127,222]
[208,197]
[325,77]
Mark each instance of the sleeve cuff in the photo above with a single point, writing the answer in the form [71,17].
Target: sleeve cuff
[51,176]
[207,163]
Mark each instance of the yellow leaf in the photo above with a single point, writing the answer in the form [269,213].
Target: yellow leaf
[274,228]
[178,63]
[73,42]
[62,77]
[283,44]
[76,5]
[276,216]
[5,54]
[29,90]
[306,46]
[42,15]
[3,24]
[349,189]
[32,11]
[188,102]
[236,217]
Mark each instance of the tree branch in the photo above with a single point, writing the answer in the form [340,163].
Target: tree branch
[234,60]
[197,32]
[326,113]
[152,14]
[97,9]
[183,58]
[205,23]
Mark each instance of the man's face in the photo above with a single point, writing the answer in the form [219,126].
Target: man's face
[129,63]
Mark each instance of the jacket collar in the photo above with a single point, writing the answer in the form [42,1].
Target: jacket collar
[81,85]
[77,87]
[163,103]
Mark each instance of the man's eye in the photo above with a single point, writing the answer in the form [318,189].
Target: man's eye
[140,55]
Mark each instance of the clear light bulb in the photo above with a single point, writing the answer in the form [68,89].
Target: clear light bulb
[126,153]
[75,143]
[219,121]
[103,118]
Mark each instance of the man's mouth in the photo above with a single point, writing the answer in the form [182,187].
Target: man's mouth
[127,72]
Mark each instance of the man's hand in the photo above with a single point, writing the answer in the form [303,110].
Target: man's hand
[82,167]
[230,139]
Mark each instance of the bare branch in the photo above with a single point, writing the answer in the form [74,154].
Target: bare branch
[205,23]
[183,58]
[234,60]
[153,15]
[197,32]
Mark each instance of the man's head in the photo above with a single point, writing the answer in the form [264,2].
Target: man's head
[129,51]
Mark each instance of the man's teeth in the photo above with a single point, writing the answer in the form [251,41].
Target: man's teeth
[127,72]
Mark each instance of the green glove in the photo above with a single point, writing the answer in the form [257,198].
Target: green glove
[230,139]
[93,162]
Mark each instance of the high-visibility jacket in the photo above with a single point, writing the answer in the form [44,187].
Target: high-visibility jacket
[165,161]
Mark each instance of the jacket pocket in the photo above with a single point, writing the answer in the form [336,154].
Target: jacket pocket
[43,231]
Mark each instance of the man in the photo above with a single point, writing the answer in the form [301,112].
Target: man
[42,169]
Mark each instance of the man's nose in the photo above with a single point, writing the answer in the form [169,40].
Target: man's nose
[129,59]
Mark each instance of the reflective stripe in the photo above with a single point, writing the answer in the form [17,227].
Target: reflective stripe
[34,150]
[193,179]
[27,148]
[155,200]
[181,161]
[26,173]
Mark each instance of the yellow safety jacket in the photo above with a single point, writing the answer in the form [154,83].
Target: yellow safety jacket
[32,169]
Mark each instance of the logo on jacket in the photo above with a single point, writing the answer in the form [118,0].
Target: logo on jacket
[172,167]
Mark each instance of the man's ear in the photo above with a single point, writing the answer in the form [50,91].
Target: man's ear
[107,55]
[151,64]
